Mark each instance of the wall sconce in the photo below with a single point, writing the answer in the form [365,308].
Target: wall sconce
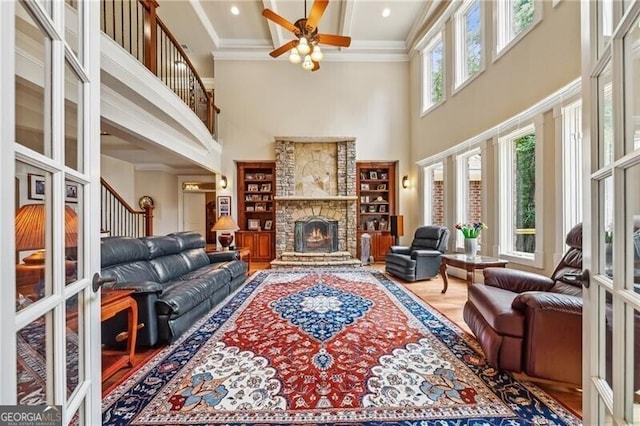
[405,181]
[223,182]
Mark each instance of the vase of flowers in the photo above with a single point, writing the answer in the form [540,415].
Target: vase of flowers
[471,231]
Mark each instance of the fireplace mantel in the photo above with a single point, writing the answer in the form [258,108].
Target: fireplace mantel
[324,198]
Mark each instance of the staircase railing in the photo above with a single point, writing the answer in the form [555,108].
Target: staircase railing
[118,218]
[134,25]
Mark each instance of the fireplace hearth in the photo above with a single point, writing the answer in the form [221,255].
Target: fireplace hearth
[316,235]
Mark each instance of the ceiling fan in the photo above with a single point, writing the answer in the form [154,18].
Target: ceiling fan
[305,48]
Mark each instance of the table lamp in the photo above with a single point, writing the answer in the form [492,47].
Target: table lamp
[223,225]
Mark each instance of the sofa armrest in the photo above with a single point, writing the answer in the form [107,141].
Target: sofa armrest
[400,250]
[516,280]
[548,301]
[137,287]
[222,256]
[415,254]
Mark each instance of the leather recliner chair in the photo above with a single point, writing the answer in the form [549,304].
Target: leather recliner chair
[422,259]
[530,323]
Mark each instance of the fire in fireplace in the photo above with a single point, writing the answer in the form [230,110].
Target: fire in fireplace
[316,235]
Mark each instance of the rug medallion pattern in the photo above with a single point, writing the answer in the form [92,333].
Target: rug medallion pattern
[326,347]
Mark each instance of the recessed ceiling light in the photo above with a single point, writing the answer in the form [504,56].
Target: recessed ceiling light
[386,12]
[235,10]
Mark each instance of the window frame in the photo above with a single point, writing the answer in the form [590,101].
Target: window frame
[459,54]
[501,27]
[505,186]
[427,102]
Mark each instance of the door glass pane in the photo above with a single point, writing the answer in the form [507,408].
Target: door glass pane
[33,356]
[606,226]
[73,231]
[33,84]
[73,334]
[632,87]
[32,230]
[72,124]
[633,398]
[633,213]
[605,116]
[73,24]
[606,340]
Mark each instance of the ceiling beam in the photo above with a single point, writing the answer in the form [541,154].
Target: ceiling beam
[276,31]
[206,23]
[346,18]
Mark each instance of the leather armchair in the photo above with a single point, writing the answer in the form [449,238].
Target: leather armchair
[422,259]
[530,323]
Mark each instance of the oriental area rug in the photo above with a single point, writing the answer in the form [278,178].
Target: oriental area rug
[326,347]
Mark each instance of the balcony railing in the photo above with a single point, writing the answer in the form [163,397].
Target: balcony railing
[134,25]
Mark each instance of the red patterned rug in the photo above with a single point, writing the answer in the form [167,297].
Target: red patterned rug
[326,347]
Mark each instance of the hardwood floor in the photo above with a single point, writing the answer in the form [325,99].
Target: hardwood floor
[449,304]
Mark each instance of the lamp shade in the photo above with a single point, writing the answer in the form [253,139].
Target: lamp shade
[225,223]
[31,224]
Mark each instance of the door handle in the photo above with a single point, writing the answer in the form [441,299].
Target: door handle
[98,281]
[582,276]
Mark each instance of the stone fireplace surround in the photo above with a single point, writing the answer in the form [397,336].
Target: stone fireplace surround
[315,178]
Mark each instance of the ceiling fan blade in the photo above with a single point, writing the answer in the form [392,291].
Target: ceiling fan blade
[317,10]
[334,40]
[272,16]
[316,66]
[284,48]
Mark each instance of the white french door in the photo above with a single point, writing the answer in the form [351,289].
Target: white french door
[49,202]
[611,329]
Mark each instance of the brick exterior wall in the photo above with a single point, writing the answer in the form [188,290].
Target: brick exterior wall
[475,201]
[437,206]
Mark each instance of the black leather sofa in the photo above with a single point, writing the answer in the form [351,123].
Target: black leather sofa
[175,282]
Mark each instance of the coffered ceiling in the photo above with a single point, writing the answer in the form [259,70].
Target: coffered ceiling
[208,27]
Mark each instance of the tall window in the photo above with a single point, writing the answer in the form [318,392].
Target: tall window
[433,73]
[434,195]
[469,44]
[514,17]
[571,166]
[517,199]
[468,190]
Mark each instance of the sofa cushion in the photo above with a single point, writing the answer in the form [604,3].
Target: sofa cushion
[162,246]
[494,304]
[117,250]
[236,269]
[181,296]
[401,260]
[205,271]
[170,267]
[195,258]
[136,271]
[189,239]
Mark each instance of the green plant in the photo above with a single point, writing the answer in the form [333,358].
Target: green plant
[471,230]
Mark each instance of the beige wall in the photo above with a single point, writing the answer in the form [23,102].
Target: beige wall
[264,99]
[545,60]
[119,174]
[163,188]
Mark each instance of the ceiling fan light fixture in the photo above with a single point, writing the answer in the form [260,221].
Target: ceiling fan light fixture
[303,46]
[316,55]
[294,56]
[307,64]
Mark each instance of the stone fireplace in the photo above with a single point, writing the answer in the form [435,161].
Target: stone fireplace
[316,235]
[315,187]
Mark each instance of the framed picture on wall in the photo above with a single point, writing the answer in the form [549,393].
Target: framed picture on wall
[36,187]
[223,205]
[71,192]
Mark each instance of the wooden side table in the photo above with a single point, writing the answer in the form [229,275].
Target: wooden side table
[469,264]
[114,302]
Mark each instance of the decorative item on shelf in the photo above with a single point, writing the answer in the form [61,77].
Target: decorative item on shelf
[223,182]
[268,224]
[373,175]
[405,181]
[471,231]
[223,225]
